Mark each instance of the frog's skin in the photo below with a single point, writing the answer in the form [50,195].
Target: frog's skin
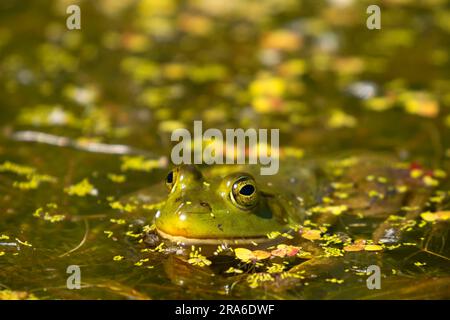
[366,218]
[207,211]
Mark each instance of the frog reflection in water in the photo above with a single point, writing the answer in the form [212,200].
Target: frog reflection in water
[233,209]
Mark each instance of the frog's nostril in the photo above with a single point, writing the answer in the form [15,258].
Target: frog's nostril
[190,206]
[206,205]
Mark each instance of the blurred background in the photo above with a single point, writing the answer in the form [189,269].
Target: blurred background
[139,69]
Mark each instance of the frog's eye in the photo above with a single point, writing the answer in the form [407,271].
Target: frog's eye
[243,193]
[171,179]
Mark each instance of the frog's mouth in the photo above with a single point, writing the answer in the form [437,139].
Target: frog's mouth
[211,241]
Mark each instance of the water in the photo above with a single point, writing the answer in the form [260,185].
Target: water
[136,71]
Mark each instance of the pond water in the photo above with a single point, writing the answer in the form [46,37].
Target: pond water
[85,123]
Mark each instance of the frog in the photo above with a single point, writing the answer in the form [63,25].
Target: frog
[233,206]
[229,205]
[231,209]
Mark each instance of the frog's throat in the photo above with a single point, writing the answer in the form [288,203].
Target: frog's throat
[205,241]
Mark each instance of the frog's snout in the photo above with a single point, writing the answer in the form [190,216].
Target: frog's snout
[191,206]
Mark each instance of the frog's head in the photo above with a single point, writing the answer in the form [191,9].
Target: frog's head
[230,209]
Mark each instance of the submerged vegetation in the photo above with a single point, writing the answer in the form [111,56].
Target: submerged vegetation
[85,124]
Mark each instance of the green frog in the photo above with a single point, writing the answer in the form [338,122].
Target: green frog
[227,205]
[355,200]
[233,209]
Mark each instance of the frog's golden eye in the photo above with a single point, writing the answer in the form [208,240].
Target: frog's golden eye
[171,179]
[243,193]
